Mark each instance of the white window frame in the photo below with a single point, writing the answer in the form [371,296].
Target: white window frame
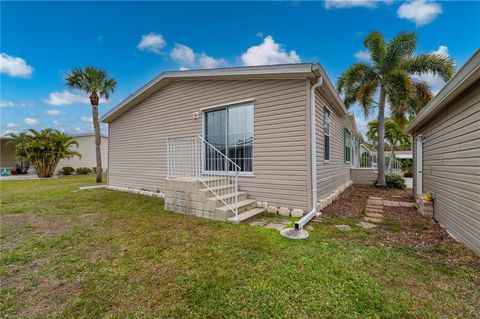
[225,106]
[326,108]
[345,146]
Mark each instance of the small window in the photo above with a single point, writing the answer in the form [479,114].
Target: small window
[347,142]
[326,134]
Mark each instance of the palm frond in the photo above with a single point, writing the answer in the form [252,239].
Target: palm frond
[375,43]
[402,45]
[437,64]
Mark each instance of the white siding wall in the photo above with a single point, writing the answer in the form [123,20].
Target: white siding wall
[138,138]
[451,166]
[331,175]
[86,147]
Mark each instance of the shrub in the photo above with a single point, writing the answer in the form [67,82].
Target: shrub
[94,170]
[408,173]
[394,181]
[83,170]
[44,149]
[67,170]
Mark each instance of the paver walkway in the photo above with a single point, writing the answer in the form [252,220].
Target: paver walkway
[374,213]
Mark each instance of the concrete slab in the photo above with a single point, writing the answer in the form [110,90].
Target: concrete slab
[260,222]
[343,227]
[372,220]
[374,215]
[84,188]
[366,225]
[275,226]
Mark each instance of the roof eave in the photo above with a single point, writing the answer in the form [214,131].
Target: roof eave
[305,70]
[466,76]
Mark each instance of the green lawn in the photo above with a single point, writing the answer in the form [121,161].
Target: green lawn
[102,253]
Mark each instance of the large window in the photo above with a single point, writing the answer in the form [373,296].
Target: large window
[230,130]
[326,134]
[347,142]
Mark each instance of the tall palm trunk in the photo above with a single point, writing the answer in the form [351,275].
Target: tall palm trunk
[96,127]
[381,139]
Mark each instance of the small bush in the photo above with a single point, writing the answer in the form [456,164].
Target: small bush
[67,170]
[83,170]
[394,181]
[408,174]
[94,170]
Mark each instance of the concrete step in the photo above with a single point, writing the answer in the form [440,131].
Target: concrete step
[214,202]
[220,190]
[246,215]
[243,206]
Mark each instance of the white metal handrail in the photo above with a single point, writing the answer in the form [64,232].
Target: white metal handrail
[368,159]
[195,157]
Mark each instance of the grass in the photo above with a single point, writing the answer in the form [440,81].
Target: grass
[101,253]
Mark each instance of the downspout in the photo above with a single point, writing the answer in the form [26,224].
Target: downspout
[313,148]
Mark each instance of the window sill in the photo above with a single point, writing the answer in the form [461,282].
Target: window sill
[326,161]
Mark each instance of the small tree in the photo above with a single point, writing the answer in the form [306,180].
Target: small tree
[96,83]
[44,149]
[393,135]
[388,76]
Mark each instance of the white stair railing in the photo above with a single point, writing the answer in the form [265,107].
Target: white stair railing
[194,157]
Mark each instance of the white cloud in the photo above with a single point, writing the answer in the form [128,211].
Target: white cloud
[78,130]
[186,57]
[56,122]
[14,66]
[345,4]
[68,98]
[11,104]
[152,42]
[31,121]
[419,11]
[7,104]
[268,52]
[13,125]
[10,131]
[54,112]
[86,119]
[434,81]
[207,62]
[183,54]
[363,55]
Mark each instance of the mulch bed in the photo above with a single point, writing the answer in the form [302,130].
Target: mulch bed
[403,227]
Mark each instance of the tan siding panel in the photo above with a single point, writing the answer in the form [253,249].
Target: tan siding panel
[138,138]
[452,166]
[330,175]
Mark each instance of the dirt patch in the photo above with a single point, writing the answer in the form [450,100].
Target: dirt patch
[403,227]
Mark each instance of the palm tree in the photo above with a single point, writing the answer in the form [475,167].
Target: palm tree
[388,75]
[96,83]
[393,135]
[44,149]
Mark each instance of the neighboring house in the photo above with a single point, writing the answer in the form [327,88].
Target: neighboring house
[86,147]
[447,154]
[7,153]
[260,118]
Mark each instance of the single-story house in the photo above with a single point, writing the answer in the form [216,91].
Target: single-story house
[219,142]
[7,153]
[447,154]
[86,147]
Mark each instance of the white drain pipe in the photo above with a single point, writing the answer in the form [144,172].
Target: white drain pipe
[313,147]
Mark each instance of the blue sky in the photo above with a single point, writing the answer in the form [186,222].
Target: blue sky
[134,42]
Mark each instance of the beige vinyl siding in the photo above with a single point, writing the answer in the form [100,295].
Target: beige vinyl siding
[7,153]
[86,147]
[331,175]
[451,166]
[138,138]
